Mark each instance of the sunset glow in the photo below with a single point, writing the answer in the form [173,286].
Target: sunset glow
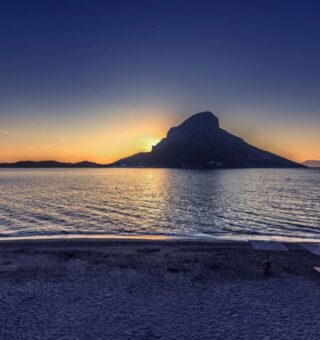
[88,92]
[150,142]
[106,141]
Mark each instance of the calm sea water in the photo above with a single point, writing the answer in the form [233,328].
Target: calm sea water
[241,204]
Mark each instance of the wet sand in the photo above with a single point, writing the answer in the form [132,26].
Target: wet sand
[155,289]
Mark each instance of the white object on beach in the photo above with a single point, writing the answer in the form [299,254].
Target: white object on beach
[313,248]
[317,269]
[268,245]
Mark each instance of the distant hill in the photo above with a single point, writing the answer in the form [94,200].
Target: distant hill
[199,142]
[50,164]
[312,163]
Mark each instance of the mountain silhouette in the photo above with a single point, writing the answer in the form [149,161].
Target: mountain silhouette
[199,142]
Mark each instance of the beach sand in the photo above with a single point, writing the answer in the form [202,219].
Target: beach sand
[155,289]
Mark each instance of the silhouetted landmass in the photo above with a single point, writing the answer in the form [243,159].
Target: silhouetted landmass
[312,163]
[199,142]
[50,164]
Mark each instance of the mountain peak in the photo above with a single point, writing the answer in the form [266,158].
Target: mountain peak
[205,117]
[202,114]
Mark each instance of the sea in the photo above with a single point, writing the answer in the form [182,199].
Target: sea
[239,204]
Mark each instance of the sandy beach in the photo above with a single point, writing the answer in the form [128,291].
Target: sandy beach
[155,289]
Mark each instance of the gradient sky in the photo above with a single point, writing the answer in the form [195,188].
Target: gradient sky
[100,80]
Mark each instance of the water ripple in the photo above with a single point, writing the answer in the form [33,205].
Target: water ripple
[233,203]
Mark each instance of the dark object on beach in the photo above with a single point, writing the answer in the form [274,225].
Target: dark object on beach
[266,266]
[267,246]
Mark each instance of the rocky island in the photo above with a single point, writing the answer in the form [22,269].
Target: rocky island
[200,142]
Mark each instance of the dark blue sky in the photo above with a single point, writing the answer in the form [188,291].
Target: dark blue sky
[249,61]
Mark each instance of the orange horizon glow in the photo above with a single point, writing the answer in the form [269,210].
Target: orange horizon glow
[105,142]
[99,140]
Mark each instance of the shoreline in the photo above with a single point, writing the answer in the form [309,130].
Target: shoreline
[154,238]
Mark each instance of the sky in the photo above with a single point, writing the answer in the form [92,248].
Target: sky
[100,80]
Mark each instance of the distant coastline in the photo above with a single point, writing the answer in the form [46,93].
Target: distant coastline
[51,164]
[311,164]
